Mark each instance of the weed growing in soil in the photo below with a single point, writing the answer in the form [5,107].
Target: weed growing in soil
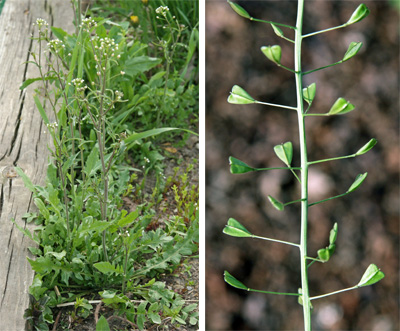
[285,153]
[87,246]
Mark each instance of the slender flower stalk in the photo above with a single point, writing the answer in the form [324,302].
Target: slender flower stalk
[284,152]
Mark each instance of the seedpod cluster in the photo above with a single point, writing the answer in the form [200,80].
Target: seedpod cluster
[304,97]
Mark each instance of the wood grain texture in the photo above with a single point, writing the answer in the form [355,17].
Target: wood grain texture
[23,143]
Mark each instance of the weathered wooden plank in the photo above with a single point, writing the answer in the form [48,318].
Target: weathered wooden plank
[23,142]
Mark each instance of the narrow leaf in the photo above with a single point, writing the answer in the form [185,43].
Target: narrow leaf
[284,152]
[359,14]
[273,53]
[353,49]
[233,281]
[107,267]
[151,133]
[235,229]
[309,93]
[371,276]
[277,30]
[239,96]
[341,106]
[359,179]
[278,205]
[239,167]
[239,10]
[25,179]
[367,147]
[29,81]
[333,234]
[41,110]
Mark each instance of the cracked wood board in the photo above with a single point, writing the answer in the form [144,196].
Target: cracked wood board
[23,142]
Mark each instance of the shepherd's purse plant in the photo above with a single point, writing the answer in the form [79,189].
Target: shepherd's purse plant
[304,98]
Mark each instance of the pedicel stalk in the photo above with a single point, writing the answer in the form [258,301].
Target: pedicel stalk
[285,153]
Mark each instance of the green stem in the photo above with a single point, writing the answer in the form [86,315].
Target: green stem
[326,30]
[275,105]
[324,67]
[276,240]
[294,201]
[304,166]
[270,22]
[268,292]
[335,292]
[277,168]
[332,159]
[331,198]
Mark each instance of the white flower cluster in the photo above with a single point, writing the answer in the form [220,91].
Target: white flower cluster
[55,45]
[119,95]
[53,125]
[106,45]
[88,23]
[43,27]
[162,10]
[78,82]
[40,22]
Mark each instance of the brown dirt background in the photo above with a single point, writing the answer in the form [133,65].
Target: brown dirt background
[368,219]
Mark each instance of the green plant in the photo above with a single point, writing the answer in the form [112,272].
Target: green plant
[285,153]
[85,242]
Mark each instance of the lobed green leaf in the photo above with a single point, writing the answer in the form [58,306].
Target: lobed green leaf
[233,281]
[367,147]
[353,49]
[239,96]
[359,179]
[340,107]
[359,14]
[273,53]
[235,229]
[371,276]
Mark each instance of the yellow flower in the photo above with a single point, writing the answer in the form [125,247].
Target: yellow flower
[134,20]
[145,2]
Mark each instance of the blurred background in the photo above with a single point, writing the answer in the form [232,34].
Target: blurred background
[368,219]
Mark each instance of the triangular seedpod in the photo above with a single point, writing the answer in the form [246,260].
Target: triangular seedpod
[278,205]
[239,167]
[239,10]
[309,93]
[341,106]
[273,53]
[368,146]
[239,96]
[359,14]
[284,152]
[333,234]
[277,30]
[371,276]
[353,49]
[235,229]
[359,179]
[234,282]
